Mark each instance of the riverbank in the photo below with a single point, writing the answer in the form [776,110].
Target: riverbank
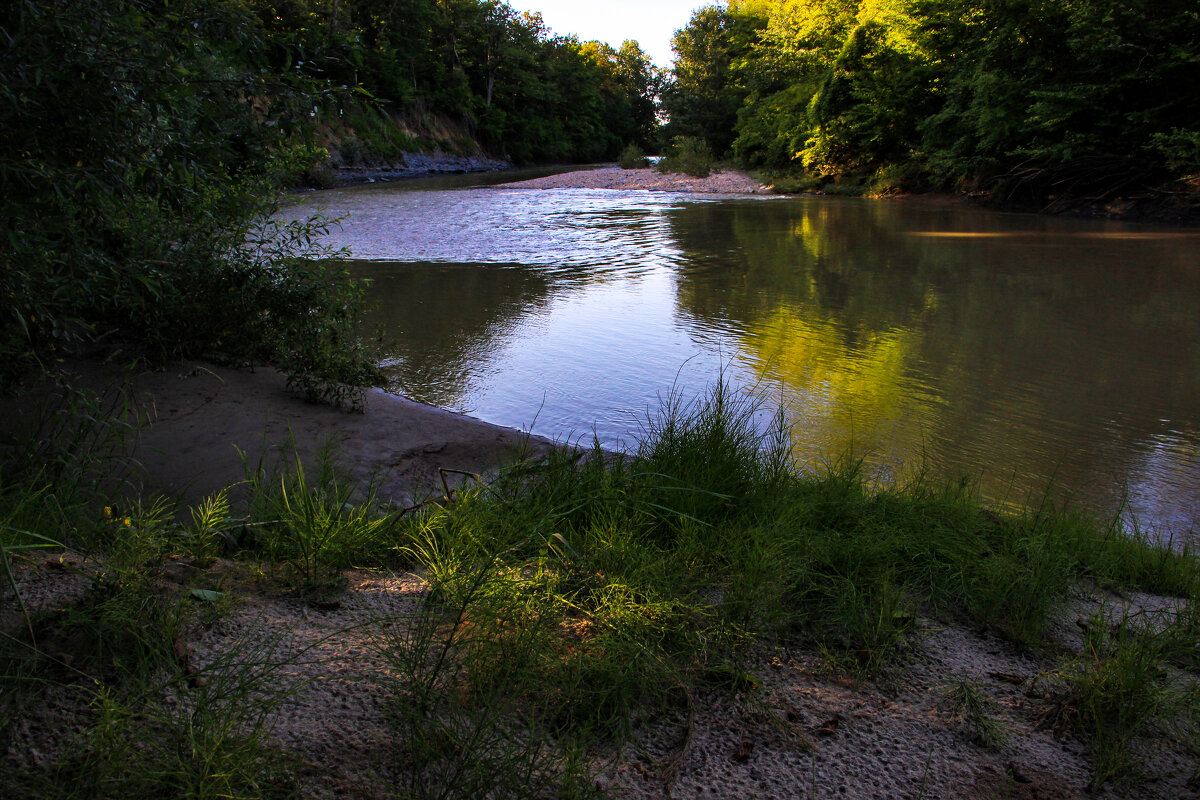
[339,172]
[193,428]
[720,182]
[760,634]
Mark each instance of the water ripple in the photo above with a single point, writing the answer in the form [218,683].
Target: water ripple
[622,231]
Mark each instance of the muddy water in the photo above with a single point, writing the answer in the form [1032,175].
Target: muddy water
[1039,357]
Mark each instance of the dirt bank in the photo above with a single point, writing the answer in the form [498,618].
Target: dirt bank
[417,165]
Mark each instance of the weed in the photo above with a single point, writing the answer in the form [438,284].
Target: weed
[714,458]
[464,682]
[688,155]
[124,628]
[16,541]
[1116,690]
[975,712]
[65,456]
[210,528]
[199,735]
[315,527]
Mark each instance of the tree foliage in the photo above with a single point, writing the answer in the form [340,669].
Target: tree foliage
[1089,98]
[703,95]
[496,72]
[141,145]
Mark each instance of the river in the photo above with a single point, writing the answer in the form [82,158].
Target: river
[1045,359]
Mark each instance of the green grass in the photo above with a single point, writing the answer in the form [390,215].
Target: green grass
[314,527]
[976,713]
[628,580]
[465,676]
[569,599]
[1123,686]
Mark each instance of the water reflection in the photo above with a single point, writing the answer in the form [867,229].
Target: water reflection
[1017,350]
[1052,351]
[441,323]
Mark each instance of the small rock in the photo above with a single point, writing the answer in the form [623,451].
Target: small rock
[1018,774]
[829,726]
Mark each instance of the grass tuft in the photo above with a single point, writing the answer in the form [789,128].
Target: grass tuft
[976,713]
[1120,689]
[314,527]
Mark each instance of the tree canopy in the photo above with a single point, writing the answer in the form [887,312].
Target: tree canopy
[1043,97]
[498,73]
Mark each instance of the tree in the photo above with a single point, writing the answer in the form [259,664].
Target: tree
[1084,98]
[641,83]
[141,152]
[702,97]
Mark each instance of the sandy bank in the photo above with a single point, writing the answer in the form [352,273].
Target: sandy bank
[726,182]
[805,732]
[194,418]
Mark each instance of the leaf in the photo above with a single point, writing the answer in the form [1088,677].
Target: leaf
[207,595]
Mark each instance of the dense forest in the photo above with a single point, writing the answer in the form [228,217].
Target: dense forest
[145,142]
[493,74]
[1034,100]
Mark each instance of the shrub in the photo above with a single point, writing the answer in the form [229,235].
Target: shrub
[137,186]
[632,157]
[688,155]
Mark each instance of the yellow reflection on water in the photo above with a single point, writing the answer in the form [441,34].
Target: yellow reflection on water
[1139,236]
[844,392]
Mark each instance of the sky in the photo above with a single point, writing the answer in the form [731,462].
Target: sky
[650,22]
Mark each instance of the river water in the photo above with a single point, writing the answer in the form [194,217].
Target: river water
[1039,357]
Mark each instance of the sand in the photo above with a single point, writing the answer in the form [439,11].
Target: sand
[721,182]
[193,422]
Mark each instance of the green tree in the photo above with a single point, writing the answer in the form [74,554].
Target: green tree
[867,112]
[1028,98]
[139,162]
[703,95]
[641,83]
[1082,95]
[789,62]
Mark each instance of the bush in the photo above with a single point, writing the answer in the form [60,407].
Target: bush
[688,155]
[137,186]
[632,157]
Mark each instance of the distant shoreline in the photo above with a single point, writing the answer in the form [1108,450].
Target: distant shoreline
[723,182]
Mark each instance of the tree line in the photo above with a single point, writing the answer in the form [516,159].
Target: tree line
[1033,99]
[511,85]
